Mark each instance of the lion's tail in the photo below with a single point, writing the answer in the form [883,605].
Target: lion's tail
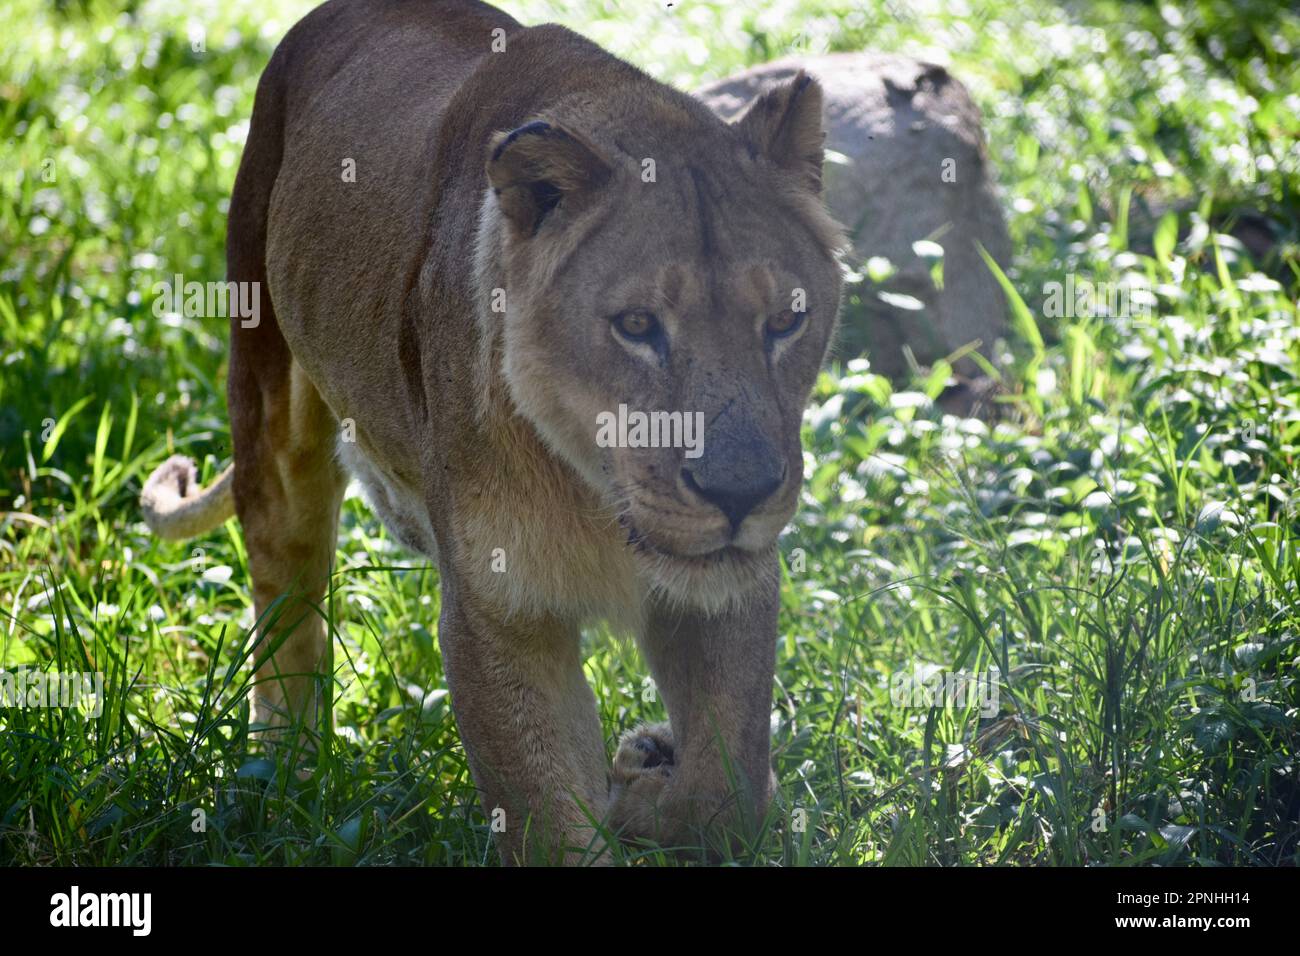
[174,505]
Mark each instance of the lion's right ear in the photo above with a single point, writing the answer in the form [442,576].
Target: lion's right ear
[535,168]
[785,125]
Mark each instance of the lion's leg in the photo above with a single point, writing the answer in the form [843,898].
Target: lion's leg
[528,720]
[288,488]
[287,485]
[712,768]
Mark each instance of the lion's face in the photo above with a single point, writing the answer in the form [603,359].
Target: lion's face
[663,334]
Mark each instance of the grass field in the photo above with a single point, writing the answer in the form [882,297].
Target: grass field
[1117,551]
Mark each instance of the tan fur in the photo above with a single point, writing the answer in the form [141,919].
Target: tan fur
[521,171]
[175,506]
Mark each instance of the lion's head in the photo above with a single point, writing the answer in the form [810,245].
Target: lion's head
[671,279]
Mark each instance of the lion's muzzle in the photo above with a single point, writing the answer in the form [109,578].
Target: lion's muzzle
[739,469]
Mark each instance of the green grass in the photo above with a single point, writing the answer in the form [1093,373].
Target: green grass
[1117,547]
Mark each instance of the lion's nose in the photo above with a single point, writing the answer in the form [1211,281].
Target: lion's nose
[736,485]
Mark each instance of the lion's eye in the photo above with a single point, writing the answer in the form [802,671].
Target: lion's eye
[637,324]
[784,323]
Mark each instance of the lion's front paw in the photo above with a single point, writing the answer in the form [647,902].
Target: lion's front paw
[657,793]
[643,764]
[647,749]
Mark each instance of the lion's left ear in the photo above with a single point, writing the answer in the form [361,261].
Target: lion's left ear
[785,125]
[534,168]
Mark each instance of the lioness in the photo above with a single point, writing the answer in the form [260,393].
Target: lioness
[536,233]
